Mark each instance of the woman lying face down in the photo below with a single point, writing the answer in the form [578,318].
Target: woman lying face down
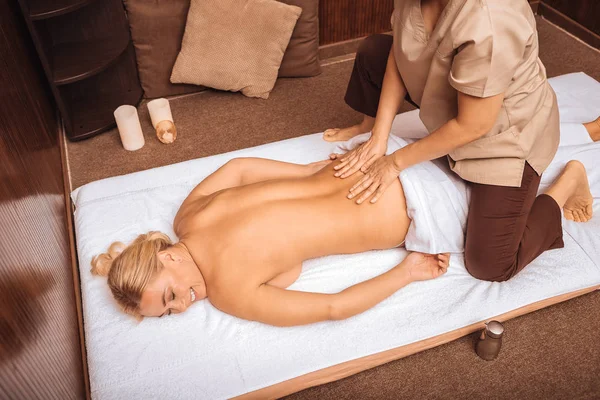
[246,229]
[244,232]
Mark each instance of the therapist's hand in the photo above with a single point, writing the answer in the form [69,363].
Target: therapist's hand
[362,157]
[376,180]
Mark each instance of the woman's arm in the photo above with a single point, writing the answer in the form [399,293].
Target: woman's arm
[393,92]
[244,171]
[476,117]
[280,307]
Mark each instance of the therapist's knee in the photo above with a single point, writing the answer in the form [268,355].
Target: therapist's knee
[485,266]
[374,48]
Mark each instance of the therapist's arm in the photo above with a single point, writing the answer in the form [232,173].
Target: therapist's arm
[476,117]
[393,92]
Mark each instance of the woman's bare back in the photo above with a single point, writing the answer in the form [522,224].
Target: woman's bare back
[262,232]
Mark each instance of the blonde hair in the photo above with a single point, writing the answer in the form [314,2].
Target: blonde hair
[130,268]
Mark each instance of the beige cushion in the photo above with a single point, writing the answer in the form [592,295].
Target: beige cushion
[235,45]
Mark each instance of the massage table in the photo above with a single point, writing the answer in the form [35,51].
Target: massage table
[205,353]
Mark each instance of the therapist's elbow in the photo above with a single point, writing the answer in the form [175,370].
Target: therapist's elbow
[474,130]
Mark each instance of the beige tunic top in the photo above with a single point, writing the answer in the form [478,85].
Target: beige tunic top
[481,48]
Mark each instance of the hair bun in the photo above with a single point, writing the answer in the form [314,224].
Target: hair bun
[102,263]
[115,249]
[156,235]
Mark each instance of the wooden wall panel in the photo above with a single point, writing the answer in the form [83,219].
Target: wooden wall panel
[341,20]
[40,356]
[586,12]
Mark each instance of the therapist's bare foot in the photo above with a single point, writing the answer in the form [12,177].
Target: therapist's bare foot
[343,134]
[572,192]
[593,129]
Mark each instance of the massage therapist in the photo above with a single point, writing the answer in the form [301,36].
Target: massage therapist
[472,68]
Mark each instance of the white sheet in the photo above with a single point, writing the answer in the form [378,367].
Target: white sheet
[207,354]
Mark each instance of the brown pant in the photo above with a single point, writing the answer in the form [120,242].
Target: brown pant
[507,227]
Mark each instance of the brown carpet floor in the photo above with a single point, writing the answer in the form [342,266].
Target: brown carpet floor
[552,353]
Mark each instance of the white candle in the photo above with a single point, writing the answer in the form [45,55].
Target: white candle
[129,127]
[159,111]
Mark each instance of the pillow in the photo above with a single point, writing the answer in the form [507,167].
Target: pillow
[302,54]
[156,31]
[235,45]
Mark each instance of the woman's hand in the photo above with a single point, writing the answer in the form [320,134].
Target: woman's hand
[361,157]
[376,180]
[422,267]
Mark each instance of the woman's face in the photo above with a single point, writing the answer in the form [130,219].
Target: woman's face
[174,288]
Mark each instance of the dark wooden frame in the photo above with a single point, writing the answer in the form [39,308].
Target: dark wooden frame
[88,58]
[41,344]
[70,209]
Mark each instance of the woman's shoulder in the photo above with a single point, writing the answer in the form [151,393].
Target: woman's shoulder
[481,20]
[402,5]
[490,13]
[187,216]
[487,6]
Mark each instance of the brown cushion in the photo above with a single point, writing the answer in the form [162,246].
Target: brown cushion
[302,54]
[156,30]
[229,47]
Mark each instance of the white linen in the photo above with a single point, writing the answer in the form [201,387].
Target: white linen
[208,354]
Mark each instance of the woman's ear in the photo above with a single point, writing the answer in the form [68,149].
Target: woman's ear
[167,255]
[162,255]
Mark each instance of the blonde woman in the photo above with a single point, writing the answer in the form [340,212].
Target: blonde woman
[246,229]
